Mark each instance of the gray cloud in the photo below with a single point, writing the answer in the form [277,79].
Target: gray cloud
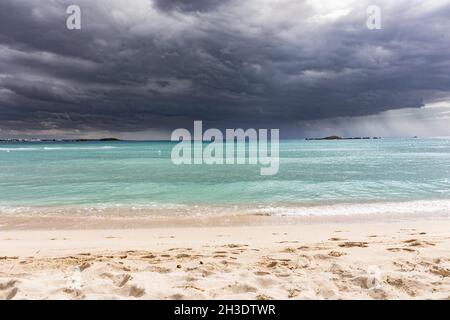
[189,5]
[148,64]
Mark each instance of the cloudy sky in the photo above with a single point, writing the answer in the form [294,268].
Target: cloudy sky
[138,69]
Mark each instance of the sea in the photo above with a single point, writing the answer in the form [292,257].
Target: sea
[338,177]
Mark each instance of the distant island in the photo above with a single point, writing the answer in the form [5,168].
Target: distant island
[341,138]
[59,140]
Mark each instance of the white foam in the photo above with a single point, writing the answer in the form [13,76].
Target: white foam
[14,210]
[56,148]
[421,207]
[394,208]
[18,149]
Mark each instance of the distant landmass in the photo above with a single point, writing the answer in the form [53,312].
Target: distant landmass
[341,138]
[58,140]
[334,137]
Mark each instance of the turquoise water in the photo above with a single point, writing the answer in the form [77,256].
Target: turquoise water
[388,174]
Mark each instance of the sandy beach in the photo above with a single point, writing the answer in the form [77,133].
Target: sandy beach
[224,150]
[367,259]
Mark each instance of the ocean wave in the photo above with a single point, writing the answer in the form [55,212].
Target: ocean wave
[18,149]
[348,209]
[80,148]
[421,207]
[56,148]
[16,210]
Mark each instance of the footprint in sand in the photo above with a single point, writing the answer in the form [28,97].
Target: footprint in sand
[180,249]
[233,245]
[400,249]
[238,288]
[340,271]
[8,290]
[336,239]
[281,257]
[136,291]
[351,244]
[418,243]
[321,256]
[8,258]
[336,254]
[440,270]
[83,266]
[119,280]
[206,272]
[122,280]
[158,269]
[418,234]
[286,241]
[293,292]
[176,296]
[410,286]
[266,282]
[220,254]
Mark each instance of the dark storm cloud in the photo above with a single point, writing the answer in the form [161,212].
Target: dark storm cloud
[189,5]
[143,64]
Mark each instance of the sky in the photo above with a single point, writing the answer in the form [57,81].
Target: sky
[140,69]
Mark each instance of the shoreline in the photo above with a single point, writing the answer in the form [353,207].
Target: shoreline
[10,222]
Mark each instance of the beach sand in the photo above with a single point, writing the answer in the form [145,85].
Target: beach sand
[336,259]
